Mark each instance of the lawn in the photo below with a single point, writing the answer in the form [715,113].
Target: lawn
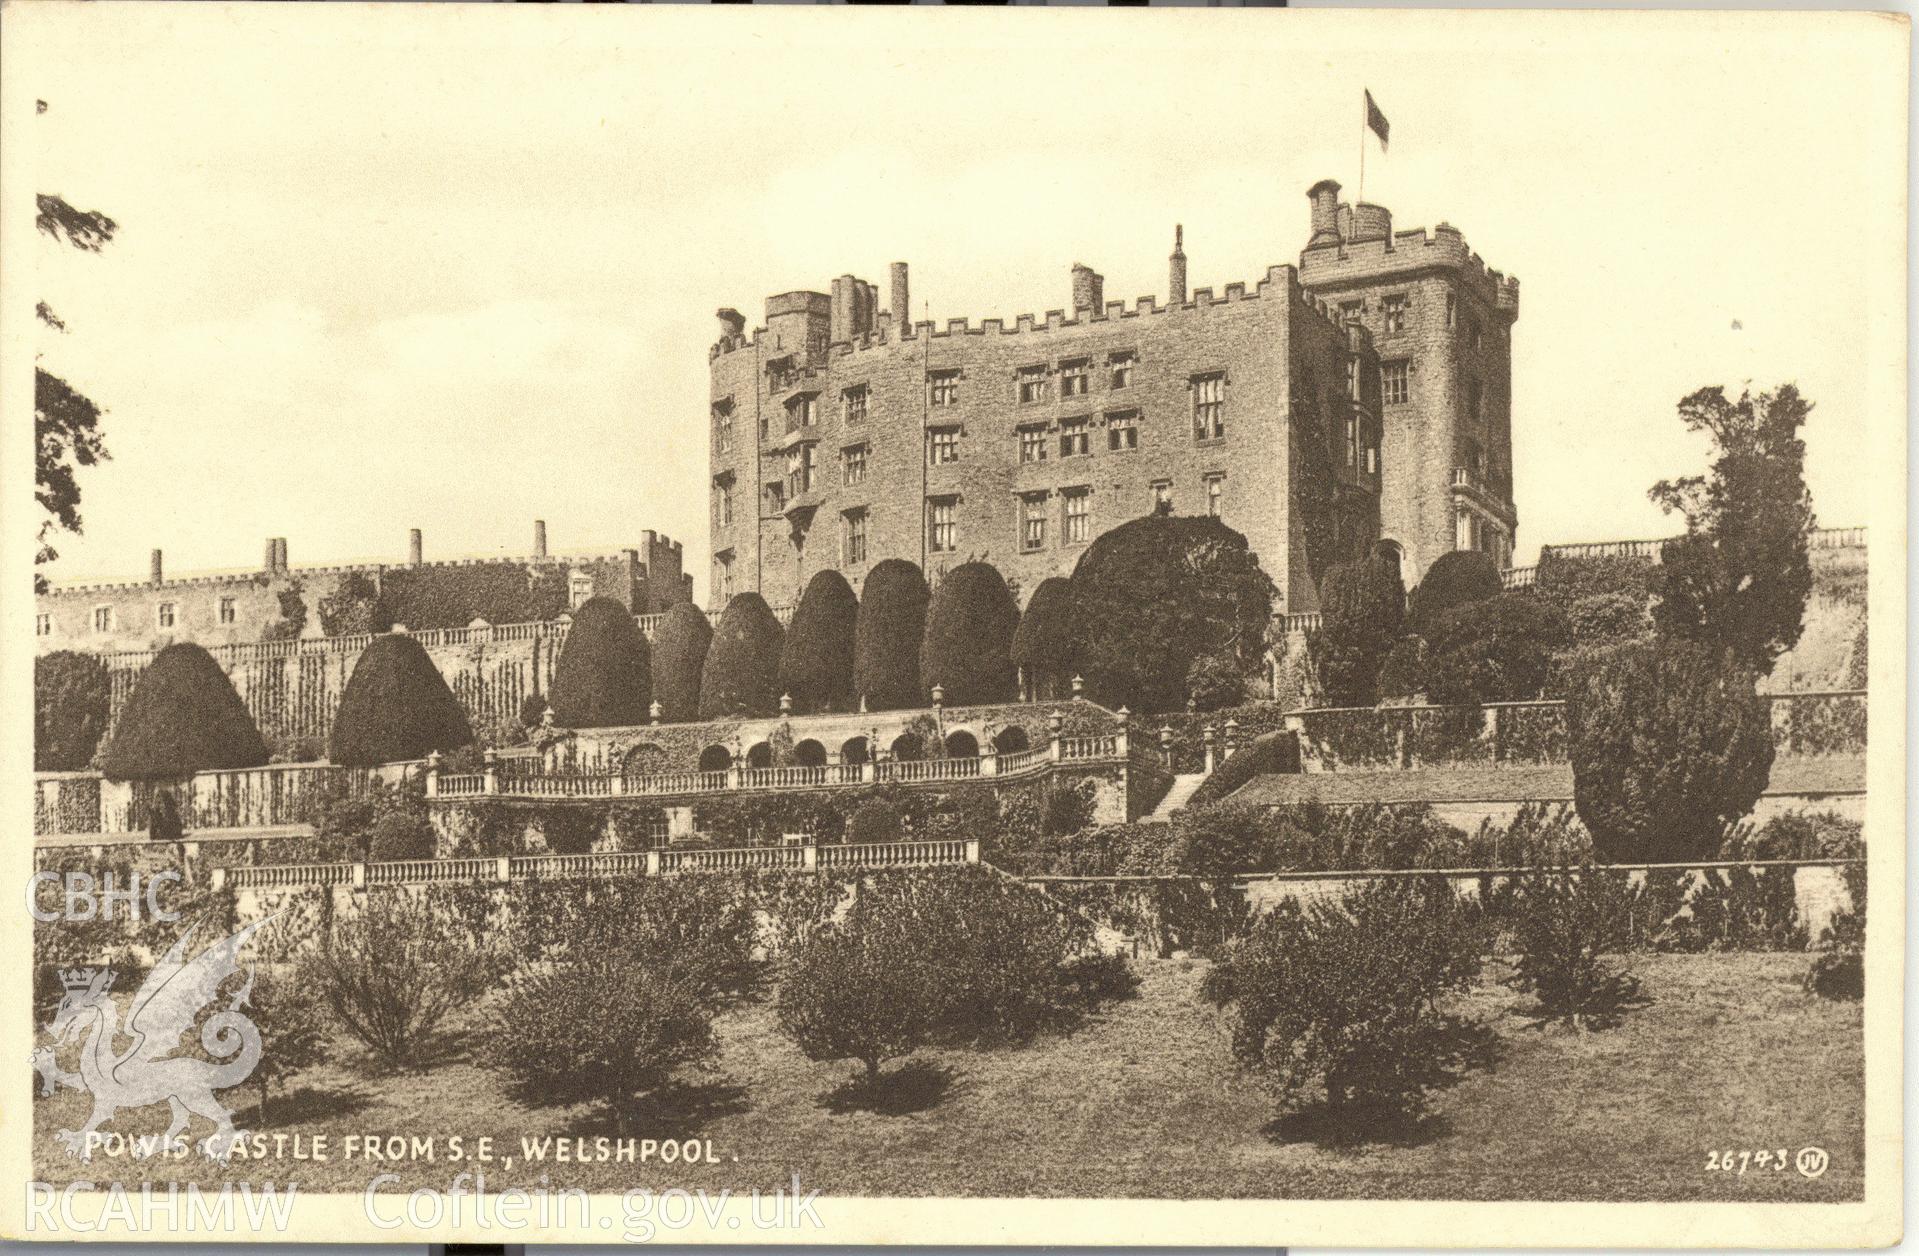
[1143,1101]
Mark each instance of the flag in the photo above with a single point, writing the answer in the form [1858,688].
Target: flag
[1376,120]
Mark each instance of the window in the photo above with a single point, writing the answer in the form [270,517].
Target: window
[1075,377]
[766,427]
[1122,431]
[774,497]
[1032,443]
[853,404]
[43,625]
[1352,378]
[1352,440]
[723,500]
[1075,437]
[579,589]
[942,445]
[802,411]
[103,619]
[942,534]
[1473,331]
[1215,494]
[723,426]
[853,537]
[1079,515]
[1120,366]
[1209,407]
[163,614]
[853,464]
[1372,451]
[1032,384]
[943,387]
[226,610]
[1163,497]
[1393,387]
[1032,521]
[723,577]
[1393,313]
[1351,311]
[799,471]
[1452,310]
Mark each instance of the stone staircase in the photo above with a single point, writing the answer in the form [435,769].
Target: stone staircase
[1183,788]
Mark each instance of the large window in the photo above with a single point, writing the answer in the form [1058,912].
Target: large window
[1032,521]
[942,525]
[1075,437]
[723,501]
[853,404]
[723,426]
[43,625]
[1032,443]
[1120,370]
[1216,494]
[1209,407]
[226,610]
[1122,431]
[853,537]
[1078,511]
[1394,386]
[942,445]
[799,470]
[773,498]
[853,464]
[1392,312]
[723,577]
[942,387]
[1163,497]
[802,411]
[163,615]
[103,619]
[1031,383]
[1352,440]
[1074,377]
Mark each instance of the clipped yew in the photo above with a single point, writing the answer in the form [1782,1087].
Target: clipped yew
[886,637]
[967,649]
[816,665]
[680,644]
[1456,578]
[396,706]
[742,673]
[1045,646]
[182,717]
[605,675]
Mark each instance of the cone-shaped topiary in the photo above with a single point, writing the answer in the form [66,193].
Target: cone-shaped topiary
[182,717]
[1455,578]
[968,646]
[1046,645]
[886,638]
[816,666]
[605,675]
[680,644]
[742,673]
[396,706]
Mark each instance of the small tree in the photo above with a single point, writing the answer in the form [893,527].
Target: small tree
[887,633]
[816,666]
[1045,645]
[71,705]
[182,717]
[859,990]
[1502,649]
[1362,605]
[741,676]
[293,1031]
[679,658]
[396,707]
[1669,744]
[1739,579]
[967,648]
[604,678]
[1456,578]
[1563,921]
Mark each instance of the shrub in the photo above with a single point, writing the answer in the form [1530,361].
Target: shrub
[533,709]
[887,634]
[1101,979]
[1216,680]
[391,972]
[1361,606]
[604,678]
[1840,970]
[1567,580]
[291,1017]
[1856,671]
[1067,810]
[571,830]
[874,821]
[447,596]
[71,700]
[1402,673]
[1457,578]
[182,717]
[1607,619]
[1562,924]
[396,706]
[863,989]
[1340,999]
[397,835]
[639,1024]
[816,666]
[1502,649]
[1046,642]
[680,645]
[741,676]
[967,649]
[1154,595]
[1669,745]
[351,608]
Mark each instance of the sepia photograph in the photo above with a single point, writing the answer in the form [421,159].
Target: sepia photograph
[810,626]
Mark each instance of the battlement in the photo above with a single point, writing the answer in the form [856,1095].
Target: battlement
[1444,246]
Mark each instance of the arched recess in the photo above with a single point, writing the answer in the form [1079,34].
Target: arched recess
[809,754]
[715,759]
[961,744]
[1011,740]
[908,748]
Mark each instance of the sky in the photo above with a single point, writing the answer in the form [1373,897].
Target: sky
[456,267]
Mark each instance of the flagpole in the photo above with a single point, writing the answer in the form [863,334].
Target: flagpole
[1363,120]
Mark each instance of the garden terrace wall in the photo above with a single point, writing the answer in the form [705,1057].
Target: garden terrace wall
[274,796]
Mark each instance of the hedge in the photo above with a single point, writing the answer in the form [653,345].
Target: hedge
[71,705]
[182,717]
[967,649]
[680,644]
[816,665]
[604,678]
[887,635]
[396,706]
[741,676]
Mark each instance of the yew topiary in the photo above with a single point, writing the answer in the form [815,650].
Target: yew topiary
[680,644]
[1046,645]
[1362,607]
[1456,578]
[396,707]
[816,666]
[886,637]
[741,676]
[967,649]
[71,704]
[605,675]
[182,717]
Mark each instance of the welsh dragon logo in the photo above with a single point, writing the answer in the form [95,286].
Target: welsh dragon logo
[159,1017]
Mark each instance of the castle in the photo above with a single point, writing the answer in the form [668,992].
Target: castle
[1358,401]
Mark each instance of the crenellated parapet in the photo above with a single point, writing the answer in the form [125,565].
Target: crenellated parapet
[1398,253]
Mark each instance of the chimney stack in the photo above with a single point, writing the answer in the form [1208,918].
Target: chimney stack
[902,307]
[414,549]
[271,558]
[1089,290]
[279,559]
[539,538]
[1176,268]
[154,568]
[732,323]
[1325,198]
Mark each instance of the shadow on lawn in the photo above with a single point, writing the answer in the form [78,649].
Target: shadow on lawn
[1461,1047]
[298,1107]
[685,1109]
[1601,1007]
[912,1087]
